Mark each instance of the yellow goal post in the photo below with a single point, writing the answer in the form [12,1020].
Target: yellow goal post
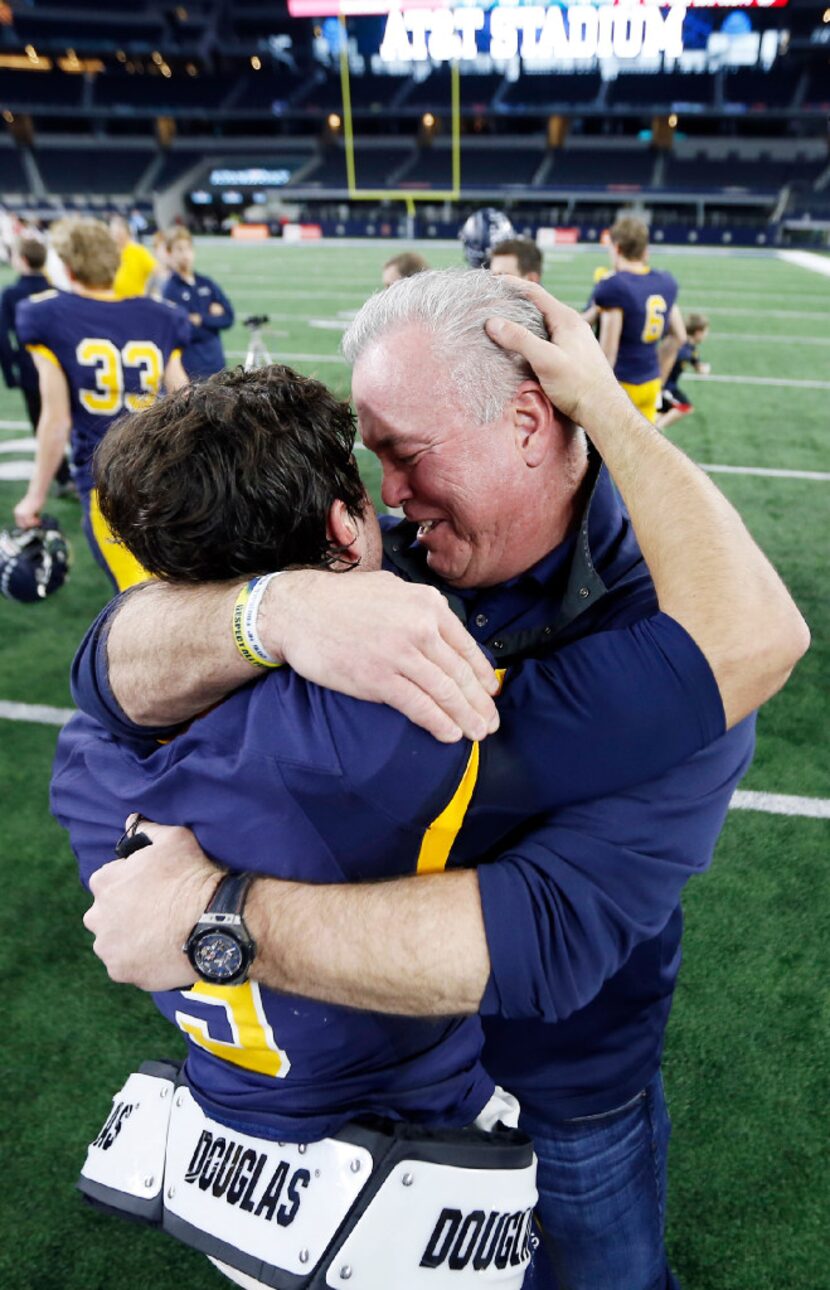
[397,194]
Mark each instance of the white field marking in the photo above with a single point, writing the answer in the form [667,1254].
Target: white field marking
[772,338]
[821,316]
[15,425]
[39,713]
[18,445]
[295,358]
[807,260]
[785,381]
[765,471]
[328,324]
[17,469]
[816,808]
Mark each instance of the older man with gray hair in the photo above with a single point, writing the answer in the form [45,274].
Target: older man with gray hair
[567,942]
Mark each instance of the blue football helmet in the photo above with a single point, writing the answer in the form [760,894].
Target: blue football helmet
[34,563]
[481,232]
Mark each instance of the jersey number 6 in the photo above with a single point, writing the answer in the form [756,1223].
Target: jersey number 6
[656,309]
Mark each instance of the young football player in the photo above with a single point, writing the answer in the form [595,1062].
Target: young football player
[519,256]
[96,357]
[638,310]
[675,404]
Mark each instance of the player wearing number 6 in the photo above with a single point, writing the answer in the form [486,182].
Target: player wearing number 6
[96,357]
[638,310]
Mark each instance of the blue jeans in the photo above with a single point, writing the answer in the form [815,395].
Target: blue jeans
[602,1198]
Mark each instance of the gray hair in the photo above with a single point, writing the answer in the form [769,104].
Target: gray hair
[453,306]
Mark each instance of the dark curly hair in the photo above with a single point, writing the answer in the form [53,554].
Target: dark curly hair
[232,476]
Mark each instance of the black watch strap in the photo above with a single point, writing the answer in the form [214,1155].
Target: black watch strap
[231,894]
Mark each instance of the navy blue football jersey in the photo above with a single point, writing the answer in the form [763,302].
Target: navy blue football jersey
[112,352]
[646,300]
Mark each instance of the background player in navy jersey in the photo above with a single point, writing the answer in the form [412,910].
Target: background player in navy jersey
[19,371]
[205,303]
[96,357]
[675,403]
[638,310]
[511,519]
[519,256]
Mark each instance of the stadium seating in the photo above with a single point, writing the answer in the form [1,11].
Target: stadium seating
[25,91]
[602,167]
[550,91]
[774,89]
[99,169]
[762,174]
[659,90]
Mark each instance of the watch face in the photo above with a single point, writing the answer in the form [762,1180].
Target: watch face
[217,956]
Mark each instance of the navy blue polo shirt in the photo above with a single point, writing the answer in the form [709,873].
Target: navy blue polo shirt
[582,913]
[203,355]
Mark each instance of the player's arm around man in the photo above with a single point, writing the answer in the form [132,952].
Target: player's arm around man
[727,597]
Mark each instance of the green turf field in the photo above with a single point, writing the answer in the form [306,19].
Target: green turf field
[748,1050]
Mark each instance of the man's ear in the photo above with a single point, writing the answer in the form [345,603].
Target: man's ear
[535,422]
[341,530]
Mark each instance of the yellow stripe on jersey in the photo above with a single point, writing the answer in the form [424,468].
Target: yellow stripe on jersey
[645,397]
[443,831]
[49,294]
[121,563]
[44,352]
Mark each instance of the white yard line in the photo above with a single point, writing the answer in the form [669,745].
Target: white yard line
[15,425]
[783,381]
[17,470]
[18,445]
[770,338]
[39,713]
[765,471]
[815,316]
[807,260]
[280,357]
[816,808]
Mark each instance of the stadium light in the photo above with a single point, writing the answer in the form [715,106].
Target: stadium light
[334,122]
[157,58]
[8,117]
[673,120]
[428,121]
[256,62]
[31,53]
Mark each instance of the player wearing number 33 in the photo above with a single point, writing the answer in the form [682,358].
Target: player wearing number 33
[96,358]
[641,327]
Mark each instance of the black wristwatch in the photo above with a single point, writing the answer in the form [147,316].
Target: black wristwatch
[220,947]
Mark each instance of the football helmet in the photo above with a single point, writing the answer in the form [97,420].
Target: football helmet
[480,233]
[33,562]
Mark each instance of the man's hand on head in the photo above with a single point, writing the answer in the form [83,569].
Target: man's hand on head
[570,367]
[144,908]
[375,637]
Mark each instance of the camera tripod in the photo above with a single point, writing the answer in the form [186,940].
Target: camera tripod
[257,355]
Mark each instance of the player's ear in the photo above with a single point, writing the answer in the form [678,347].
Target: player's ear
[342,530]
[534,422]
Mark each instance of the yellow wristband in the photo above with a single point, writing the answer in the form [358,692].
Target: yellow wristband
[245,635]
